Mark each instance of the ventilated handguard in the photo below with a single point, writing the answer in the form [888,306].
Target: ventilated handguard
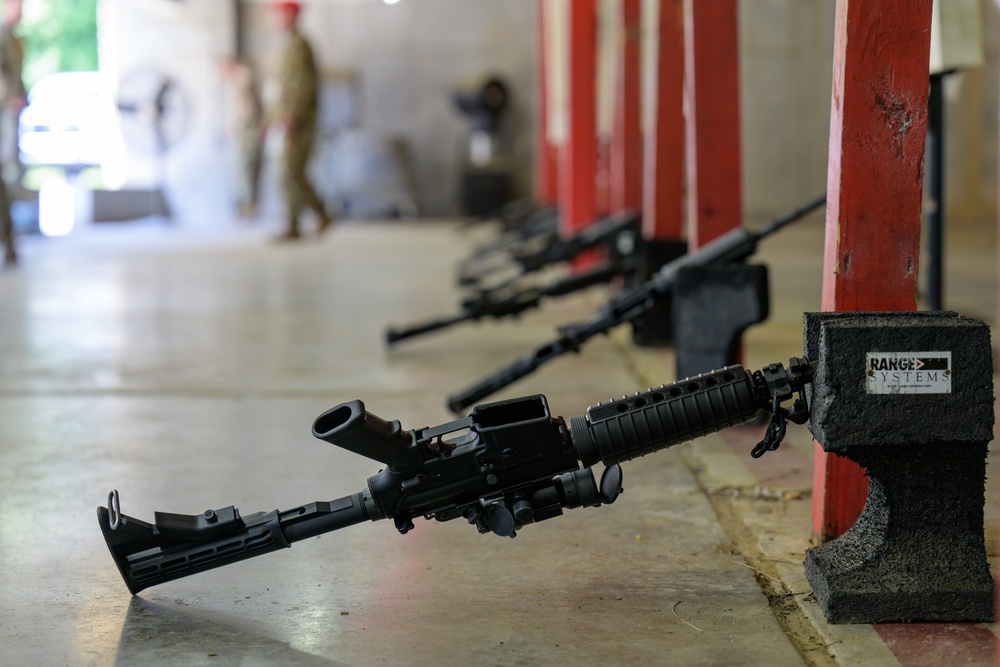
[646,422]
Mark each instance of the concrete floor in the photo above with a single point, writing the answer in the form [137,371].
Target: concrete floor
[185,369]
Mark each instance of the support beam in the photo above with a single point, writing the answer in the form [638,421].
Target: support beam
[663,164]
[934,162]
[239,29]
[578,158]
[626,138]
[712,81]
[663,168]
[874,188]
[546,191]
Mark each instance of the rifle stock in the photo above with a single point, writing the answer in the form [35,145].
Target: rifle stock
[175,546]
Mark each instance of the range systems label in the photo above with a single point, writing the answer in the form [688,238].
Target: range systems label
[908,373]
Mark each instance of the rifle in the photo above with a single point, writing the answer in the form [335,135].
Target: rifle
[509,301]
[532,223]
[543,255]
[509,216]
[509,464]
[735,246]
[540,230]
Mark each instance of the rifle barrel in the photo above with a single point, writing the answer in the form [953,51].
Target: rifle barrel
[393,335]
[493,303]
[505,376]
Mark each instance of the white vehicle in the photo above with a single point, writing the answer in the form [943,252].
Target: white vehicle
[71,121]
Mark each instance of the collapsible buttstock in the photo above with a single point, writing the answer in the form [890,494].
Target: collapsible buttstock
[179,545]
[146,556]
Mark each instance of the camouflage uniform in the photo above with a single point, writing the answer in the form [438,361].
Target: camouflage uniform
[250,130]
[297,106]
[12,94]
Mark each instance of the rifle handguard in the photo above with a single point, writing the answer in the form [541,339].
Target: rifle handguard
[647,422]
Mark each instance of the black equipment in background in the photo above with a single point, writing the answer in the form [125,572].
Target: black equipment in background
[486,181]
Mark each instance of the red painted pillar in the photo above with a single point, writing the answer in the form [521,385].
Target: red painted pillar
[578,158]
[545,153]
[712,82]
[663,168]
[626,139]
[874,188]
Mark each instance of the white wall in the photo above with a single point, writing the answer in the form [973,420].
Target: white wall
[409,59]
[411,56]
[786,73]
[141,39]
[786,55]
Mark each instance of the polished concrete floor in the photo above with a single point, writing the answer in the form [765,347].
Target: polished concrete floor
[185,368]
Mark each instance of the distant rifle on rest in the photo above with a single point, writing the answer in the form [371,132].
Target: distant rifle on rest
[542,252]
[538,230]
[509,298]
[508,464]
[510,301]
[510,216]
[626,306]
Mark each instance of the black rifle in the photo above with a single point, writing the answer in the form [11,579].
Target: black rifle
[506,465]
[532,223]
[626,306]
[510,216]
[509,301]
[539,230]
[534,259]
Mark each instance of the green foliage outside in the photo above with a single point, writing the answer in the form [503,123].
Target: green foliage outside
[59,36]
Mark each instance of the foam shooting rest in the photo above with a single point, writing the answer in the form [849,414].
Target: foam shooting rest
[712,307]
[654,328]
[909,397]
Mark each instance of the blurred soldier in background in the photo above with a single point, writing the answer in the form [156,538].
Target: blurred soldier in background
[248,132]
[12,99]
[297,108]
